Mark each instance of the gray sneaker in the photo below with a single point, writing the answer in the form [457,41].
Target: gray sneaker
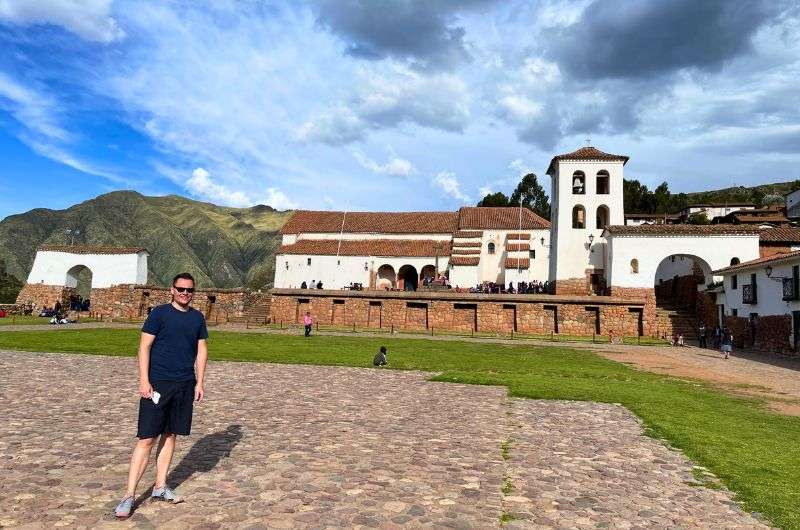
[165,494]
[124,508]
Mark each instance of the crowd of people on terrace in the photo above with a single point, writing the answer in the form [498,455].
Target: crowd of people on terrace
[533,287]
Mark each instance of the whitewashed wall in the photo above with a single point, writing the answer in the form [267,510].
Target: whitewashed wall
[335,273]
[716,251]
[769,291]
[50,268]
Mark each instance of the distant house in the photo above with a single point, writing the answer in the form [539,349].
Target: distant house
[792,203]
[714,210]
[636,219]
[770,216]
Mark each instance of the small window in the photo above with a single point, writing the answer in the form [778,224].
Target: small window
[734,282]
[734,312]
[578,217]
[491,248]
[578,183]
[308,261]
[634,266]
[532,254]
[601,219]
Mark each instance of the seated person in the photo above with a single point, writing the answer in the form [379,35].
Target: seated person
[380,357]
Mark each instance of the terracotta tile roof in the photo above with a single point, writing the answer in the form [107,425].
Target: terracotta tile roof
[517,235]
[371,222]
[511,247]
[758,262]
[370,247]
[511,263]
[499,218]
[720,204]
[466,251]
[468,233]
[464,260]
[780,235]
[91,249]
[775,218]
[681,230]
[468,244]
[585,153]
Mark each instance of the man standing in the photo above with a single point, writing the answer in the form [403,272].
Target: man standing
[172,365]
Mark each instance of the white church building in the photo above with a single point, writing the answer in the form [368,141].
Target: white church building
[587,249]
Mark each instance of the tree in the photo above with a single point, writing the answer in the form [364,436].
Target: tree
[529,193]
[772,198]
[494,199]
[698,218]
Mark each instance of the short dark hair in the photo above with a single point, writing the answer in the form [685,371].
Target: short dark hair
[383,349]
[182,276]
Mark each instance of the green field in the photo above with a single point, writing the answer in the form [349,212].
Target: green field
[753,451]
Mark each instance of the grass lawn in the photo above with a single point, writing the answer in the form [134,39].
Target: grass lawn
[14,320]
[756,453]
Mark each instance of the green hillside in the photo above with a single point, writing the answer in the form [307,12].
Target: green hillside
[221,246]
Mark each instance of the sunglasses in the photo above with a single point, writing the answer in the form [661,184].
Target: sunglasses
[184,289]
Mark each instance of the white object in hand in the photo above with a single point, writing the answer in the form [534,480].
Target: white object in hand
[156,397]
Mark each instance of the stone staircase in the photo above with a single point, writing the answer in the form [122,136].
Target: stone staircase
[673,320]
[255,314]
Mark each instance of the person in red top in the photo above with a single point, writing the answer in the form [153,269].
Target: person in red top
[307,322]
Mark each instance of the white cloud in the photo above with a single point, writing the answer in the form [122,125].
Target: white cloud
[520,167]
[89,19]
[391,96]
[448,182]
[31,108]
[483,191]
[395,166]
[201,185]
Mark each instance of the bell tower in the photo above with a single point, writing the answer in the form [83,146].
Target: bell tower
[587,197]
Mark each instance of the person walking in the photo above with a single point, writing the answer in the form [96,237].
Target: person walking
[727,343]
[307,322]
[172,366]
[701,333]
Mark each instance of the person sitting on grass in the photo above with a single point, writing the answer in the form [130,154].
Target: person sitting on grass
[380,357]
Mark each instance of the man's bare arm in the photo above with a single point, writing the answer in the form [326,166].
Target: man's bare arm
[200,368]
[145,343]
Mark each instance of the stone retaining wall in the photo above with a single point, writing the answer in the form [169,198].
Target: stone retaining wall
[447,311]
[41,295]
[771,333]
[133,301]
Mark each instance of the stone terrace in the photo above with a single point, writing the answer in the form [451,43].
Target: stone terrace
[283,446]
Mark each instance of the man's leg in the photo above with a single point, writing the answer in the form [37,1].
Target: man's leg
[166,447]
[141,454]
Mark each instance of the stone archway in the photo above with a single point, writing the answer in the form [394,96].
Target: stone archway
[409,278]
[387,279]
[79,282]
[682,302]
[429,272]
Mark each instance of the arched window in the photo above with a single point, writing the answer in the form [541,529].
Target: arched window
[491,248]
[735,261]
[578,183]
[634,266]
[601,220]
[578,217]
[603,182]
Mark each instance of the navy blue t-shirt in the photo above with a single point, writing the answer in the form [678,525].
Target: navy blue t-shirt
[174,349]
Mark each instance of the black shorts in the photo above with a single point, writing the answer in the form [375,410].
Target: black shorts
[173,413]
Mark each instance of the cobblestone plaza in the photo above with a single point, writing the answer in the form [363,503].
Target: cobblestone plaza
[284,446]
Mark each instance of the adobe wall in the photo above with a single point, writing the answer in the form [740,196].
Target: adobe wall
[448,311]
[772,333]
[132,302]
[43,295]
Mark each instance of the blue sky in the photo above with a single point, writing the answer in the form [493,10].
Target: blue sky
[401,105]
